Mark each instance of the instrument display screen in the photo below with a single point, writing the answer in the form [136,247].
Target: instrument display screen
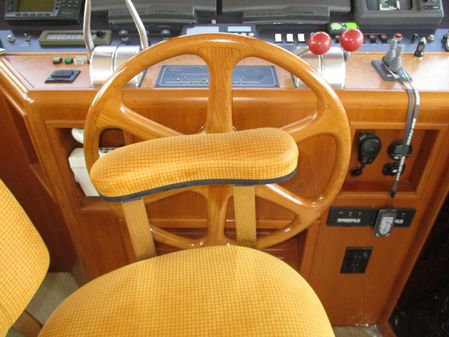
[35,6]
[263,6]
[202,29]
[239,29]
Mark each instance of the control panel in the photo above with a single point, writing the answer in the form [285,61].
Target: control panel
[27,27]
[28,24]
[364,216]
[288,37]
[426,14]
[173,76]
[32,10]
[292,37]
[64,38]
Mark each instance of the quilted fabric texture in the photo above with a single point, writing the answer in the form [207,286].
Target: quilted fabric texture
[258,154]
[24,259]
[213,291]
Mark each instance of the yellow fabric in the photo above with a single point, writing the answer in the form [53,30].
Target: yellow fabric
[139,229]
[24,259]
[245,215]
[253,154]
[213,291]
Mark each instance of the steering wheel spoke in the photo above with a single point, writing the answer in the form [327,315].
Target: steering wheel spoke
[217,205]
[126,119]
[221,63]
[321,123]
[284,198]
[306,212]
[175,240]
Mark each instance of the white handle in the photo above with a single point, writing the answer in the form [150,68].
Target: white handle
[139,24]
[87,35]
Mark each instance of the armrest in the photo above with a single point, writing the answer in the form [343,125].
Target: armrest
[251,157]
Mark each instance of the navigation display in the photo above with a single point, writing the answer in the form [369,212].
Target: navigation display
[167,11]
[286,11]
[35,6]
[343,6]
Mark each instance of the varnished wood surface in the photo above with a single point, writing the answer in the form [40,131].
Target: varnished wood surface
[21,172]
[101,242]
[429,73]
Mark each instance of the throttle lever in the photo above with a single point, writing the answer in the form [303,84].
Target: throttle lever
[332,65]
[319,43]
[351,40]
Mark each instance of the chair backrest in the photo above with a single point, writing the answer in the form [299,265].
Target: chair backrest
[24,259]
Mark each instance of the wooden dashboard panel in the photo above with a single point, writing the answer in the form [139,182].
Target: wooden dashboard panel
[49,111]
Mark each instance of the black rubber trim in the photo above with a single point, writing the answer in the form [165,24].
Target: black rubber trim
[237,182]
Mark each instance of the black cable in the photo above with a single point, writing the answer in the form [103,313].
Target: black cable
[414,103]
[412,116]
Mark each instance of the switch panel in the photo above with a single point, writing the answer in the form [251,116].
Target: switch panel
[63,76]
[404,217]
[356,260]
[350,217]
[364,216]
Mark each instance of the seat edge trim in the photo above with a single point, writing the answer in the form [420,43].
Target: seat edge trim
[237,182]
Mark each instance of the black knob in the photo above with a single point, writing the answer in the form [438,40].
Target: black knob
[397,149]
[445,41]
[355,172]
[384,38]
[99,33]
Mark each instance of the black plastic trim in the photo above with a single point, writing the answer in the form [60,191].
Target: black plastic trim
[237,182]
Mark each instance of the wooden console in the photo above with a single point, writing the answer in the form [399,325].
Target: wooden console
[85,236]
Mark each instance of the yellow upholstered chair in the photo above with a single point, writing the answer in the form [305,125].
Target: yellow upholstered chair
[219,290]
[213,291]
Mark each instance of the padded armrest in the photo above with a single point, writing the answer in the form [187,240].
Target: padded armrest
[257,156]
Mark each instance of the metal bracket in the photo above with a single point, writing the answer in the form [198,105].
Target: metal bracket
[388,75]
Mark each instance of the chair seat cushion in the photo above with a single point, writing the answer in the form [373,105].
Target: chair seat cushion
[213,291]
[258,156]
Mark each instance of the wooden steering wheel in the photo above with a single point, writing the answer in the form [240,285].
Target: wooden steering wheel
[222,52]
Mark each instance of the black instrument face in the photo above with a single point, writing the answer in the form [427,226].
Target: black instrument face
[42,10]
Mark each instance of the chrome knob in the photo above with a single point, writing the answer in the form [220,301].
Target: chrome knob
[11,38]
